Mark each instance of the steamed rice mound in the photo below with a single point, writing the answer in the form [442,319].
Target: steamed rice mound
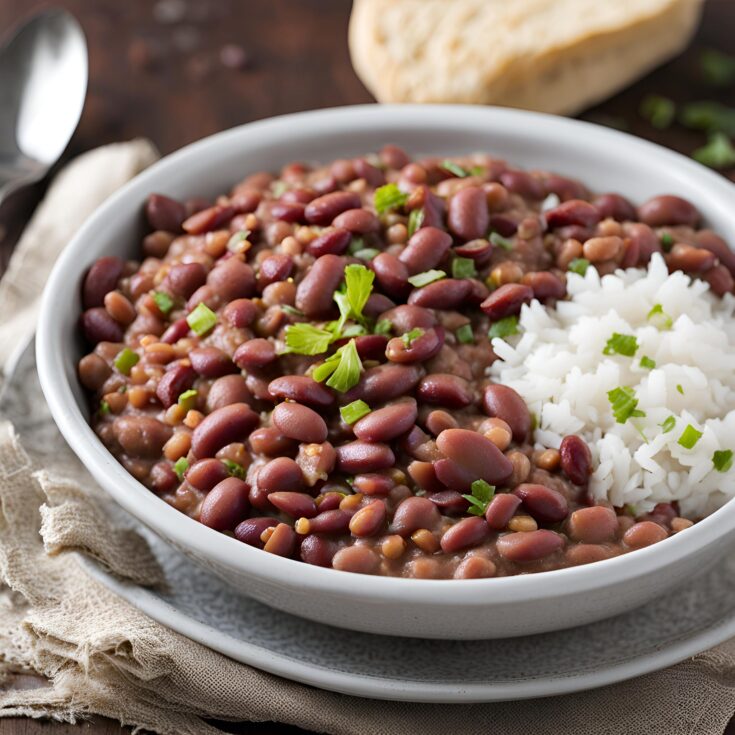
[557,364]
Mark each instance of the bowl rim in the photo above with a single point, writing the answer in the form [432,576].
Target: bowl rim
[227,552]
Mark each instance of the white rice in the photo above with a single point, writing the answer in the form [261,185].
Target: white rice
[557,364]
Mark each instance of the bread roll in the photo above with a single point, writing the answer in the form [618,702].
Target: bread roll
[556,56]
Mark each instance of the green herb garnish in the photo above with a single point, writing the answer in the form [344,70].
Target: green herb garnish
[343,368]
[384,327]
[579,266]
[125,360]
[718,153]
[465,335]
[718,69]
[389,197]
[667,242]
[367,253]
[503,327]
[659,318]
[415,220]
[413,334]
[659,111]
[454,168]
[722,460]
[425,278]
[621,344]
[237,238]
[463,268]
[292,310]
[477,171]
[624,404]
[502,242]
[279,188]
[629,509]
[188,400]
[647,363]
[201,320]
[357,243]
[234,469]
[306,339]
[679,388]
[180,467]
[689,437]
[163,301]
[668,424]
[354,411]
[482,494]
[104,408]
[359,283]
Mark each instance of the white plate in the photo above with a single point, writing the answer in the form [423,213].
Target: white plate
[204,608]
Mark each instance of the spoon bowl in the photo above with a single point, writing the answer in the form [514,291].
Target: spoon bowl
[43,83]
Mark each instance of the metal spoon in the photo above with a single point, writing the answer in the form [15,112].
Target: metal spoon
[43,82]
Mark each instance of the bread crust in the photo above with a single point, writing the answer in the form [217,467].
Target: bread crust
[556,56]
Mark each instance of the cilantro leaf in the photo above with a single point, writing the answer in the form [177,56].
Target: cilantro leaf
[306,339]
[482,493]
[454,168]
[412,335]
[463,268]
[389,197]
[712,117]
[647,363]
[503,242]
[425,278]
[343,368]
[359,282]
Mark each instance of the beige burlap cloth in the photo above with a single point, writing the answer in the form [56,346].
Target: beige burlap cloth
[99,655]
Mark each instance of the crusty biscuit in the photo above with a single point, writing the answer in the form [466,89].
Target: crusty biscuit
[555,56]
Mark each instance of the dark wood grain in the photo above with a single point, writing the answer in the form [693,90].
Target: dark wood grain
[157,72]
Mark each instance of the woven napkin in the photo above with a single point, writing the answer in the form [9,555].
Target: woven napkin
[99,655]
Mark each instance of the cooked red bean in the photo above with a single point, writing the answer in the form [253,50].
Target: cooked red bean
[185,278]
[240,313]
[468,214]
[502,402]
[164,213]
[371,346]
[227,390]
[208,219]
[330,521]
[668,210]
[141,436]
[255,353]
[449,502]
[424,476]
[529,546]
[690,259]
[385,382]
[425,249]
[333,241]
[225,505]
[314,295]
[593,525]
[270,443]
[173,383]
[521,182]
[387,423]
[614,206]
[360,221]
[643,534]
[444,389]
[177,330]
[323,209]
[296,505]
[93,371]
[211,362]
[225,425]
[576,459]
[391,274]
[506,300]
[406,317]
[282,541]
[545,285]
[361,456]
[454,475]
[299,422]
[232,279]
[369,520]
[572,212]
[449,293]
[204,474]
[475,453]
[543,503]
[101,278]
[414,513]
[281,475]
[420,348]
[318,551]
[287,211]
[500,510]
[273,269]
[99,326]
[359,559]
[464,534]
[302,389]
[251,530]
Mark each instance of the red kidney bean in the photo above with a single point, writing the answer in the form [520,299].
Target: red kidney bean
[631,253]
[251,529]
[225,505]
[360,221]
[360,456]
[438,420]
[343,170]
[368,520]
[506,300]
[449,502]
[387,423]
[157,243]
[668,210]
[614,206]
[643,534]
[358,559]
[211,362]
[162,478]
[391,275]
[421,348]
[209,219]
[503,225]
[503,402]
[173,383]
[318,551]
[93,371]
[593,525]
[586,554]
[282,541]
[478,250]
[543,503]
[298,196]
[475,453]
[281,474]
[523,183]
[406,317]
[418,444]
[195,204]
[183,279]
[449,293]
[444,389]
[240,313]
[302,389]
[376,304]
[394,157]
[314,295]
[365,170]
[468,214]
[545,285]
[715,244]
[287,211]
[299,422]
[228,424]
[475,567]
[330,521]
[274,268]
[453,475]
[373,484]
[245,201]
[254,354]
[164,213]
[384,383]
[424,475]
[141,436]
[333,241]
[576,459]
[572,212]
[99,326]
[323,209]
[720,280]
[690,259]
[500,510]
[425,249]
[296,505]
[464,534]
[564,188]
[176,331]
[415,513]
[232,279]
[227,390]
[270,442]
[528,546]
[646,239]
[101,278]
[663,514]
[204,474]
[325,185]
[371,346]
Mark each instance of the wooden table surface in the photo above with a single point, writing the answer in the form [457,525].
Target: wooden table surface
[177,70]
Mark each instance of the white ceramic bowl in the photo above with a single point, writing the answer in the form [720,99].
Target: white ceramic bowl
[604,159]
